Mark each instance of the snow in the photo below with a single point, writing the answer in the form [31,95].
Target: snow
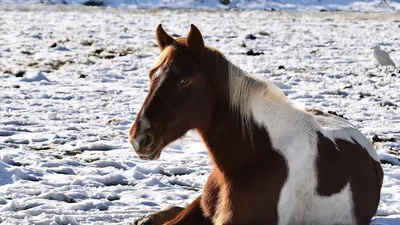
[286,5]
[34,77]
[83,74]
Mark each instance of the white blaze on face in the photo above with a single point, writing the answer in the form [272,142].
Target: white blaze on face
[144,124]
[158,72]
[157,75]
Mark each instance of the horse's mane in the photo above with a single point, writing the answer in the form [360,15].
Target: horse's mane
[241,89]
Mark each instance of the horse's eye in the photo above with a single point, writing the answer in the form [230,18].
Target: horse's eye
[184,82]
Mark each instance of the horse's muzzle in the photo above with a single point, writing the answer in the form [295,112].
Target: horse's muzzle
[145,145]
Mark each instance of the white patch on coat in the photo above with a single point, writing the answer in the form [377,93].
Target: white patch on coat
[293,132]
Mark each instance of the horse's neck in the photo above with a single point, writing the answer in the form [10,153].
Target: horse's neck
[238,141]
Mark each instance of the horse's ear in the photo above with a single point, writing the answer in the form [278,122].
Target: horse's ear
[195,41]
[163,38]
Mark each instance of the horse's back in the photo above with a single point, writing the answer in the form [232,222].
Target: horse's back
[347,157]
[335,127]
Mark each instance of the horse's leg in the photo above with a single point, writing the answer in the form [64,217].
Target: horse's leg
[192,215]
[160,217]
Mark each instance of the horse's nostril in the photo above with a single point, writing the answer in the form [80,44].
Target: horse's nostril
[147,140]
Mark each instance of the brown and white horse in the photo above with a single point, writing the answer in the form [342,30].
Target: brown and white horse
[274,163]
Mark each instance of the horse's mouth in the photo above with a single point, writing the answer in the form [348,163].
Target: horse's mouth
[154,155]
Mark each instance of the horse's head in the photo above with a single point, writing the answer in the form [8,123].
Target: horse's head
[179,97]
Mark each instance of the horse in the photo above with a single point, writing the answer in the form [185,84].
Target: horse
[274,162]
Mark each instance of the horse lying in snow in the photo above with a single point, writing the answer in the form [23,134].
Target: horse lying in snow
[274,163]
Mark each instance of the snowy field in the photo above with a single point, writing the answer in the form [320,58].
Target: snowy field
[291,5]
[72,80]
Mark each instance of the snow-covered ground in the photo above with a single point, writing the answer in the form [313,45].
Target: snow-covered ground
[298,5]
[72,80]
